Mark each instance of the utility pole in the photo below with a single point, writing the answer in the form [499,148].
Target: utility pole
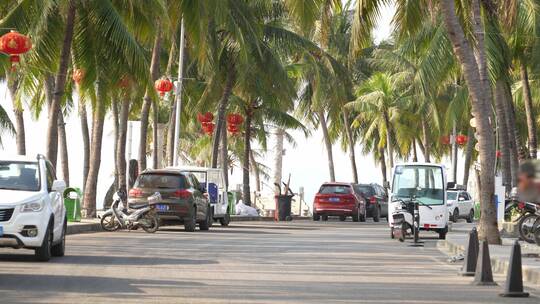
[454,152]
[178,98]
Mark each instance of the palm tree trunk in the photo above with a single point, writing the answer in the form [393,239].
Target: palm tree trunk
[278,158]
[256,171]
[222,108]
[86,140]
[121,143]
[20,140]
[425,139]
[468,156]
[224,156]
[328,145]
[389,147]
[155,146]
[504,141]
[59,86]
[481,108]
[384,172]
[89,200]
[246,192]
[529,111]
[513,136]
[415,153]
[147,102]
[351,143]
[62,141]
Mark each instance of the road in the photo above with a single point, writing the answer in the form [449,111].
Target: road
[251,262]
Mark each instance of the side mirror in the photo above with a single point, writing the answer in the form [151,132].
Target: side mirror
[450,185]
[58,186]
[387,184]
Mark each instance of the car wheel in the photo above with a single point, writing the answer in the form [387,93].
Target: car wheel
[316,217]
[362,217]
[342,218]
[43,253]
[442,233]
[191,223]
[392,233]
[225,220]
[377,214]
[205,225]
[59,249]
[325,218]
[356,215]
[455,215]
[470,218]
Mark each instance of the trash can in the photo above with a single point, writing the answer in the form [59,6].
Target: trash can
[284,207]
[72,201]
[231,198]
[476,210]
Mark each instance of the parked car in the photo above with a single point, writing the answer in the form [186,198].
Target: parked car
[339,199]
[32,212]
[377,200]
[460,205]
[184,199]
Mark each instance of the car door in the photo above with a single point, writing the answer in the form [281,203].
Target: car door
[462,203]
[56,201]
[383,201]
[198,196]
[469,204]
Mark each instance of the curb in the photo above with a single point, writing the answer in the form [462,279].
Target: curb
[498,265]
[241,218]
[78,228]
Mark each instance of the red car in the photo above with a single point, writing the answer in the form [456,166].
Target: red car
[339,199]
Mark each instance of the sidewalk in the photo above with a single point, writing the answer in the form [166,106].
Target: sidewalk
[83,226]
[456,242]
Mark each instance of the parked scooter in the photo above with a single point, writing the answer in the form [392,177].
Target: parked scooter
[406,218]
[143,216]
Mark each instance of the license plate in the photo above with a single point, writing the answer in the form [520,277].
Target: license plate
[162,207]
[334,199]
[1,230]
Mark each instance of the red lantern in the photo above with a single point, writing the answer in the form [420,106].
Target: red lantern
[445,140]
[78,75]
[235,119]
[163,86]
[15,44]
[461,139]
[208,127]
[233,129]
[124,82]
[498,153]
[205,118]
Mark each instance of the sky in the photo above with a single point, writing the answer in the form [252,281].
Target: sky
[307,162]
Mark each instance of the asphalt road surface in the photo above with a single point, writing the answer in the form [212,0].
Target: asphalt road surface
[252,262]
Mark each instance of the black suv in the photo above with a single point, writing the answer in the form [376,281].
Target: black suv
[376,200]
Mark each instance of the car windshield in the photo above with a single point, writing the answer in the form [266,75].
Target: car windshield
[451,196]
[335,189]
[161,180]
[22,176]
[426,183]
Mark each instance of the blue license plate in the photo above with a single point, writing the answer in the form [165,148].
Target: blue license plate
[162,207]
[1,230]
[334,199]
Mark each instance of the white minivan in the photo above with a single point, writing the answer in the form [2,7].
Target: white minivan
[32,212]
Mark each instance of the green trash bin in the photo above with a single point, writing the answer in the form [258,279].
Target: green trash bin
[476,210]
[231,197]
[72,201]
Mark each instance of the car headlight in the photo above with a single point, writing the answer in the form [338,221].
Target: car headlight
[32,206]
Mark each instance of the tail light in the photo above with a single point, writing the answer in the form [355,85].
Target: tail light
[349,199]
[135,192]
[182,194]
[373,199]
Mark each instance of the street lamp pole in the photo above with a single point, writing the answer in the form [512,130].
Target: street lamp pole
[178,97]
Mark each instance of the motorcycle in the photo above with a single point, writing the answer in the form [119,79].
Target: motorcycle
[406,218]
[143,216]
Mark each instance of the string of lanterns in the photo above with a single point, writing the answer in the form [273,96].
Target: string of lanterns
[460,139]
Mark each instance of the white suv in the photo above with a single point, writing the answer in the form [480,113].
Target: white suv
[32,212]
[460,205]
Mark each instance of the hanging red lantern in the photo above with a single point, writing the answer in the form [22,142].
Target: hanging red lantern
[235,119]
[15,44]
[205,118]
[498,153]
[124,82]
[78,75]
[208,127]
[445,140]
[163,86]
[461,139]
[233,129]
